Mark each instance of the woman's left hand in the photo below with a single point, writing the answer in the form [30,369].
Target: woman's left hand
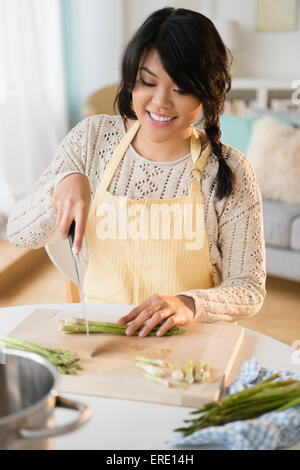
[177,310]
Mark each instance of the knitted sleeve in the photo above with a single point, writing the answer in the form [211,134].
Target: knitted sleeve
[32,221]
[240,241]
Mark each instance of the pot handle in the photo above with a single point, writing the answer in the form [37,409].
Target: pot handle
[61,402]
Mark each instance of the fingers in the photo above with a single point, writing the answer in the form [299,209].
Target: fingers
[153,301]
[132,315]
[80,223]
[71,201]
[154,321]
[167,325]
[65,214]
[58,211]
[141,319]
[66,220]
[153,312]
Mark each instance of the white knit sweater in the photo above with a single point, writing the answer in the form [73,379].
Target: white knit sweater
[234,225]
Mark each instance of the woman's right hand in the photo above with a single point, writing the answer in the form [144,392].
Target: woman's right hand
[71,201]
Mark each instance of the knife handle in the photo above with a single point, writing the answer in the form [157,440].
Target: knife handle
[71,234]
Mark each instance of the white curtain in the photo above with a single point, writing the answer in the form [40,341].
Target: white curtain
[33,100]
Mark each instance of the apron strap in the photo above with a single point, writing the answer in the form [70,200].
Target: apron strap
[199,159]
[116,157]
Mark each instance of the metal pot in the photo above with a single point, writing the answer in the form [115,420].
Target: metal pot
[28,398]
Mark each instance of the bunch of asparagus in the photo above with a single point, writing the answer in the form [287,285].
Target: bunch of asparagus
[171,374]
[66,362]
[267,396]
[77,325]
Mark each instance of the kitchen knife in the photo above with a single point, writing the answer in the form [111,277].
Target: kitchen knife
[71,237]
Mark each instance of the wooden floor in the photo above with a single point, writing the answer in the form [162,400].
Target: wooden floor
[279,317]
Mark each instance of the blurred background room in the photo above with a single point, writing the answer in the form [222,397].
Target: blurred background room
[59,63]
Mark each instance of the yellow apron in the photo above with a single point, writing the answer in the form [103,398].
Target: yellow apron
[146,246]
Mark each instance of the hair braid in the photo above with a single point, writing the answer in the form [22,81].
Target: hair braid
[225,177]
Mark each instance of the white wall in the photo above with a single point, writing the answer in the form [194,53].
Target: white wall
[94,41]
[262,54]
[100,24]
[136,11]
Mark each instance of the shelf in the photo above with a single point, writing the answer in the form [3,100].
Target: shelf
[260,90]
[243,83]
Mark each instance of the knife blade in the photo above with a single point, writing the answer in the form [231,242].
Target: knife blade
[71,237]
[222,389]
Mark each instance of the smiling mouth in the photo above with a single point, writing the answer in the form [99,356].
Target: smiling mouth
[158,118]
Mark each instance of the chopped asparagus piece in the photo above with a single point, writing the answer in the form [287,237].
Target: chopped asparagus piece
[158,368]
[151,370]
[199,372]
[189,371]
[206,373]
[158,362]
[158,380]
[176,372]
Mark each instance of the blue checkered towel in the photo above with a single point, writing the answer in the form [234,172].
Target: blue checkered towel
[269,431]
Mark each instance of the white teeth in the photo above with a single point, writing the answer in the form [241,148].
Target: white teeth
[158,118]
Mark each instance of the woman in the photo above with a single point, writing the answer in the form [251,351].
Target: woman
[151,158]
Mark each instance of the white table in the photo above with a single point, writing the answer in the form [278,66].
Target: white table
[130,425]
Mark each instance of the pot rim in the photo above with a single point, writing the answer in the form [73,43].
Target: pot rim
[37,405]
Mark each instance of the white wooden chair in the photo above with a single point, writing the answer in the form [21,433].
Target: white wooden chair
[101,102]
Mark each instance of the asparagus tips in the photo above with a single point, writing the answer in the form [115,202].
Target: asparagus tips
[250,403]
[66,362]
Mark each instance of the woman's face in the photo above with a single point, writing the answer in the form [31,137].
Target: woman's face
[155,97]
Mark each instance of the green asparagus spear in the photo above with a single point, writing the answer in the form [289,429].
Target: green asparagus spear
[65,361]
[78,326]
[250,403]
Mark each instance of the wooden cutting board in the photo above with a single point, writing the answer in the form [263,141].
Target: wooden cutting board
[111,372]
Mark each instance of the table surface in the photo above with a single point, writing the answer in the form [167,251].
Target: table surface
[131,425]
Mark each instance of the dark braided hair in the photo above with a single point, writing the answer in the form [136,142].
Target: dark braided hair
[195,57]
